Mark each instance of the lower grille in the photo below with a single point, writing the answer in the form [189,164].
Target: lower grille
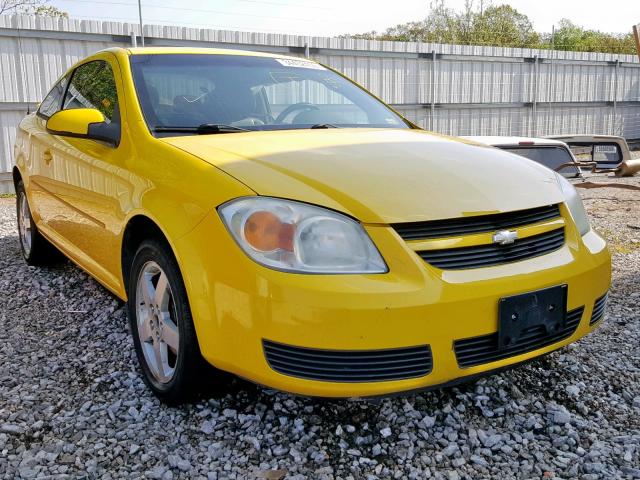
[488,255]
[484,349]
[599,306]
[349,365]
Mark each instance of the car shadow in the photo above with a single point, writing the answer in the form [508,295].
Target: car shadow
[66,279]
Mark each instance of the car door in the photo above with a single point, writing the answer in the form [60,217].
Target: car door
[88,178]
[39,158]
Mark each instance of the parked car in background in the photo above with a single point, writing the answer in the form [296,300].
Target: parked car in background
[264,215]
[553,154]
[602,154]
[607,151]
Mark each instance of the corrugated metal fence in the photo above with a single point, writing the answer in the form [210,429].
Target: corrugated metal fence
[453,89]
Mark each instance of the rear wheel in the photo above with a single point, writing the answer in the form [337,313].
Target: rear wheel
[162,327]
[36,249]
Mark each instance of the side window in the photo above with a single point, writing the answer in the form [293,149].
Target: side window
[93,86]
[53,101]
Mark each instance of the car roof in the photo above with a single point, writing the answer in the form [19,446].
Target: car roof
[498,141]
[204,51]
[581,137]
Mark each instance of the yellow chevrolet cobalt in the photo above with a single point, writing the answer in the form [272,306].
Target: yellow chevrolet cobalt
[265,216]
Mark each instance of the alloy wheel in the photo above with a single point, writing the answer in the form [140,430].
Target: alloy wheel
[157,322]
[24,223]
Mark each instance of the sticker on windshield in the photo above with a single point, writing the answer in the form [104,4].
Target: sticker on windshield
[292,62]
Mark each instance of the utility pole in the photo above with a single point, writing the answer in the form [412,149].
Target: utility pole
[141,27]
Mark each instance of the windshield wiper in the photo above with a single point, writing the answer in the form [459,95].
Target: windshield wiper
[204,129]
[323,125]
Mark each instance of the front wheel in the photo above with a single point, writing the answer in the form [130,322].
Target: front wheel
[36,249]
[163,333]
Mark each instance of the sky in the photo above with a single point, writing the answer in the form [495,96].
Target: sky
[335,17]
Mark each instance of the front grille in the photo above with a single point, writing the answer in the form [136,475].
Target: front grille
[599,307]
[493,254]
[349,365]
[469,225]
[484,349]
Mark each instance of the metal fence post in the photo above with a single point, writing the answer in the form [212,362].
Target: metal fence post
[433,90]
[615,98]
[533,126]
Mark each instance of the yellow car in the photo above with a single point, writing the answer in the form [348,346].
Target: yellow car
[266,216]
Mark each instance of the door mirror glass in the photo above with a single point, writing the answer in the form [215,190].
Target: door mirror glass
[86,123]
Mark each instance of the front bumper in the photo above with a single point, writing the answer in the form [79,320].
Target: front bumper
[237,304]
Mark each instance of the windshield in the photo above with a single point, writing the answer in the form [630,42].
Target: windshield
[551,157]
[187,91]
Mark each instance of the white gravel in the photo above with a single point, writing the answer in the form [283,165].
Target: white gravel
[73,405]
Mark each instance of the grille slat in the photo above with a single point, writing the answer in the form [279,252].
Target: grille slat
[499,255]
[340,369]
[599,307]
[488,255]
[319,354]
[482,251]
[479,224]
[463,263]
[484,349]
[348,365]
[349,376]
[333,362]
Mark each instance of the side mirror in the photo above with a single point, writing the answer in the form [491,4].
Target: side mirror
[86,123]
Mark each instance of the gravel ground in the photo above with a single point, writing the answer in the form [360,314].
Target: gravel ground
[72,403]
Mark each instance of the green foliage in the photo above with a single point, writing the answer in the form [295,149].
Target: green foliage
[570,36]
[49,11]
[499,25]
[30,7]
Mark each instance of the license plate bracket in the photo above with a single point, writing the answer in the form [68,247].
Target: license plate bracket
[519,315]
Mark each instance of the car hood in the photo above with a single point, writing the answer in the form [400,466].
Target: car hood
[378,175]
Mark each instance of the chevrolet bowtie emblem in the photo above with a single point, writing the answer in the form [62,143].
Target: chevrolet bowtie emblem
[505,237]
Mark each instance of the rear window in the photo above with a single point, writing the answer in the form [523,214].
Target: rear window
[549,156]
[606,155]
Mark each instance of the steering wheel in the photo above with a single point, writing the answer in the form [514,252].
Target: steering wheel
[292,108]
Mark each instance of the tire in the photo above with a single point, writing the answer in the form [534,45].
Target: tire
[162,327]
[36,249]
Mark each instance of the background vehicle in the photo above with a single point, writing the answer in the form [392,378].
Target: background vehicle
[265,215]
[607,153]
[548,152]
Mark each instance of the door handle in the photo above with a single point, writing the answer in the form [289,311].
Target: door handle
[47,156]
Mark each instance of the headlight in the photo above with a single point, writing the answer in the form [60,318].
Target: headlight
[575,205]
[296,237]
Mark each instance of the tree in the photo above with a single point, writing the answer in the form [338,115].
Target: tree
[49,11]
[499,25]
[30,7]
[503,26]
[570,36]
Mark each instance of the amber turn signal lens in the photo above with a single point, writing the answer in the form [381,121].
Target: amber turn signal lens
[265,232]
